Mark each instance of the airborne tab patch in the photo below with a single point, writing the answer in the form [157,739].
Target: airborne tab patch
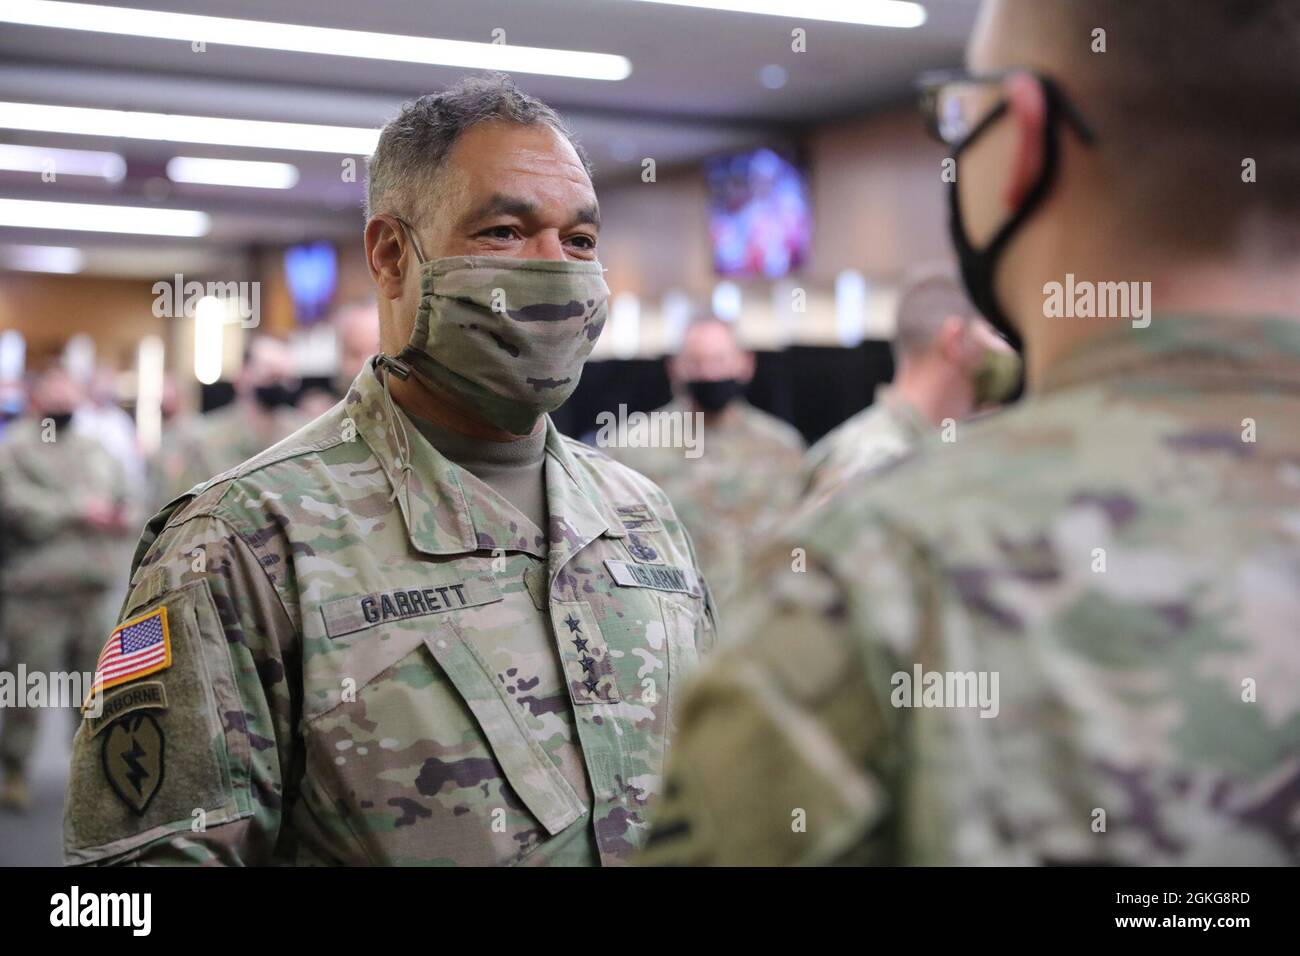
[151,695]
[660,577]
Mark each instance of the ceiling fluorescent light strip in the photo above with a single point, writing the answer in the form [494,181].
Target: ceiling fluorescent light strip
[296,38]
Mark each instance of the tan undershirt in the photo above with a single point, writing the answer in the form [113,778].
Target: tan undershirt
[513,469]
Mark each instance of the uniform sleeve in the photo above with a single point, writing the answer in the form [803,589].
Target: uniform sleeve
[781,755]
[183,756]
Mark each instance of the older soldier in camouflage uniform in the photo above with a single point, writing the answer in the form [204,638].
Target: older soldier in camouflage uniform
[744,474]
[64,514]
[1069,637]
[949,363]
[427,628]
[262,413]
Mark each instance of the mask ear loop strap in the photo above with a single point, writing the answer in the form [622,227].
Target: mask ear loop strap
[393,367]
[402,371]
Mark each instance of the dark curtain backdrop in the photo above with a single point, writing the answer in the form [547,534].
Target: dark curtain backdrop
[813,389]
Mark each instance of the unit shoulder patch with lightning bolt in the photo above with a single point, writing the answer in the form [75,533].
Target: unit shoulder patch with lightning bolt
[132,756]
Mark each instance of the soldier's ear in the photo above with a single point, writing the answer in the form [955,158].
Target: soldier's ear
[951,340]
[385,248]
[746,367]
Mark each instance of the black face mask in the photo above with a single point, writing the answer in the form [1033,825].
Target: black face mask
[714,395]
[275,396]
[979,266]
[61,419]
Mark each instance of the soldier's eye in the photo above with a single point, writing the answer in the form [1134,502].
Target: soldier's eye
[499,232]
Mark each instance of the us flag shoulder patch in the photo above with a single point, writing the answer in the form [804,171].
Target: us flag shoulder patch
[137,648]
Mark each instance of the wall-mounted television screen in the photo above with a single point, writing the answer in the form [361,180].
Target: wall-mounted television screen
[759,215]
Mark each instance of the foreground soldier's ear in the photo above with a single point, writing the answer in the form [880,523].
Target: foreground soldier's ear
[1027,112]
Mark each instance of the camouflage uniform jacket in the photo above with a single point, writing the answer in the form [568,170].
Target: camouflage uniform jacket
[1122,550]
[746,479]
[378,665]
[875,436]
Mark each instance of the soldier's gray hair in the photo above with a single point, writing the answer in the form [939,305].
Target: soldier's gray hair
[930,296]
[414,145]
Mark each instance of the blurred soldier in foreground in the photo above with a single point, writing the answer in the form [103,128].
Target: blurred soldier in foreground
[1069,637]
[427,628]
[262,413]
[63,508]
[948,364]
[739,474]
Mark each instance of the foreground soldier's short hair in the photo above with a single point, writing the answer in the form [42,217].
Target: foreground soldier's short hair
[1184,95]
[414,145]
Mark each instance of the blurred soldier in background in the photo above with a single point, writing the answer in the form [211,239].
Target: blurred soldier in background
[356,334]
[99,416]
[744,475]
[12,400]
[357,328]
[64,509]
[948,364]
[419,627]
[1070,636]
[262,413]
[176,425]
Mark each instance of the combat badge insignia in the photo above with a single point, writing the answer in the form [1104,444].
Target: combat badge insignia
[133,760]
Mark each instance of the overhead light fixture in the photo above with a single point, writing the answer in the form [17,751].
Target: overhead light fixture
[295,38]
[63,162]
[210,318]
[231,172]
[173,128]
[867,13]
[64,260]
[92,217]
[150,375]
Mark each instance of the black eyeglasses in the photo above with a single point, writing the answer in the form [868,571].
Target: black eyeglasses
[956,105]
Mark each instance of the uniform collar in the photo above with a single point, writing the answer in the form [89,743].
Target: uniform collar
[888,397]
[1201,351]
[578,511]
[438,513]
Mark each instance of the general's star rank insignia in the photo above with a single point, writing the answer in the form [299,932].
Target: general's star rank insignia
[133,760]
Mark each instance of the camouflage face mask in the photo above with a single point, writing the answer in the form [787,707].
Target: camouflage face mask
[506,337]
[996,377]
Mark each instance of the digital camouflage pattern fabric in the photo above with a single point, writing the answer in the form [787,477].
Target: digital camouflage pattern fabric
[1122,550]
[375,662]
[883,432]
[746,479]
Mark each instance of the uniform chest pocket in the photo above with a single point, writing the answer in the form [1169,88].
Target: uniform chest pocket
[429,760]
[649,639]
